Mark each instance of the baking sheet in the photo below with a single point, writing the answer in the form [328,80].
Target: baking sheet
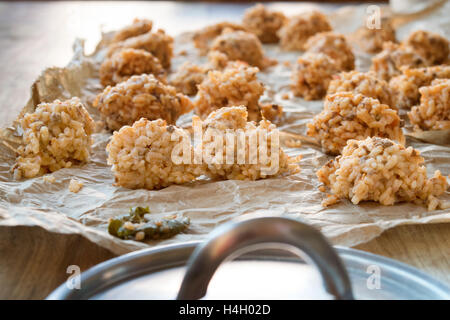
[34,202]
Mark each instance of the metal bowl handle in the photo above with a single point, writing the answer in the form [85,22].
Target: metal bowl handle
[231,238]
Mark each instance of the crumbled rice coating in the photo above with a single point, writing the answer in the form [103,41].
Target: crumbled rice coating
[348,116]
[405,88]
[242,46]
[128,62]
[188,77]
[372,40]
[141,156]
[432,47]
[312,75]
[389,62]
[294,34]
[56,135]
[264,23]
[75,185]
[234,86]
[335,46]
[365,83]
[157,43]
[140,96]
[235,119]
[329,200]
[202,38]
[138,27]
[433,113]
[381,170]
[49,178]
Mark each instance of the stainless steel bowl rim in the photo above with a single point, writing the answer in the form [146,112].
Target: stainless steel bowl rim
[62,292]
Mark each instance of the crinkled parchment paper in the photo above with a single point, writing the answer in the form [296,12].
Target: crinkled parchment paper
[208,203]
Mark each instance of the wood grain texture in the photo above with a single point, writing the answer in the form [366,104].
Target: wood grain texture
[34,262]
[426,247]
[34,36]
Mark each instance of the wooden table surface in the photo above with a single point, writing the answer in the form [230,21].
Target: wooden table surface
[37,35]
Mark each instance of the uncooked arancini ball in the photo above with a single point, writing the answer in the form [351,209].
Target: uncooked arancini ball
[264,23]
[433,112]
[381,170]
[348,116]
[56,135]
[372,40]
[202,38]
[242,46]
[188,77]
[294,34]
[405,87]
[236,85]
[129,62]
[365,83]
[335,46]
[312,75]
[157,43]
[234,121]
[432,47]
[141,96]
[389,62]
[141,156]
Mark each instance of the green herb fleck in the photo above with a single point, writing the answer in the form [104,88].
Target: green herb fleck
[136,226]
